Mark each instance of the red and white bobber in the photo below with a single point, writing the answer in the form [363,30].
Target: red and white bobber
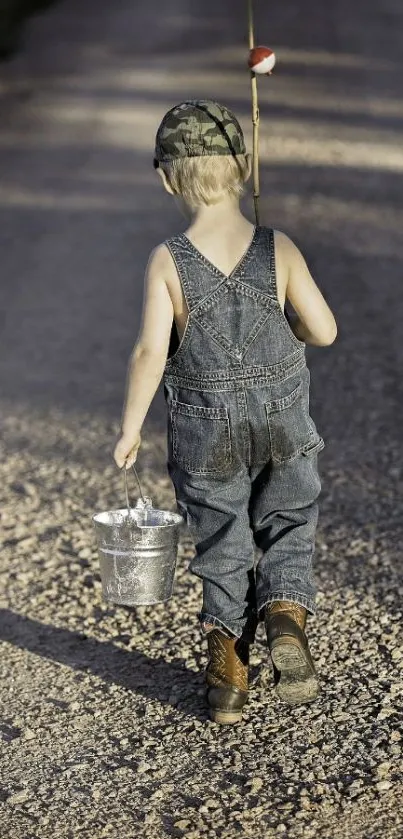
[262,60]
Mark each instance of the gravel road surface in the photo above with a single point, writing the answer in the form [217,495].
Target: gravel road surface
[104,727]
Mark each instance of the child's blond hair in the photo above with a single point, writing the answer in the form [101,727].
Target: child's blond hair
[205,179]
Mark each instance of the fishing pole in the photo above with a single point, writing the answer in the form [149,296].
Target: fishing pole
[261,62]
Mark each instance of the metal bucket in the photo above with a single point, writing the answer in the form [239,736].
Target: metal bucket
[137,550]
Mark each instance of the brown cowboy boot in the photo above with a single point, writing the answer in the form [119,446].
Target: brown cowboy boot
[226,677]
[295,677]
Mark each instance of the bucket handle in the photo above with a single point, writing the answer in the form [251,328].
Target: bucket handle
[126,489]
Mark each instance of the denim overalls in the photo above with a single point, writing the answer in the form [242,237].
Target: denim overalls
[242,448]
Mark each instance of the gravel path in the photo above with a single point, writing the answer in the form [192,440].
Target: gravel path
[103,721]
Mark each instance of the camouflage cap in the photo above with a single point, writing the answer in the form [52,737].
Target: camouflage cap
[197,128]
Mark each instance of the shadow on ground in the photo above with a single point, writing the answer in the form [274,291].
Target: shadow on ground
[134,671]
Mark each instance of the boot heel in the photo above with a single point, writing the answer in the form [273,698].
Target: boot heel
[296,680]
[287,656]
[225,717]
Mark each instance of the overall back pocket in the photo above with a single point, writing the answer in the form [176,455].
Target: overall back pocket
[201,439]
[291,429]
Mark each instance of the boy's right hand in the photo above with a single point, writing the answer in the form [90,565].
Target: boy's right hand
[126,449]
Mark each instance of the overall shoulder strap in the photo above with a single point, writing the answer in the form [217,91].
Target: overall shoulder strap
[179,256]
[269,257]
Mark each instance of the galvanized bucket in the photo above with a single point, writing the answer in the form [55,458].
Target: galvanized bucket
[137,550]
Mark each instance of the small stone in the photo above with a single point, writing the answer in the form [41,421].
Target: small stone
[122,772]
[149,818]
[143,768]
[182,824]
[305,803]
[383,786]
[395,736]
[29,734]
[254,785]
[18,797]
[383,769]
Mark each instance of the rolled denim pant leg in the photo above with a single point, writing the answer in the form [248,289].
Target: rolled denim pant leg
[284,515]
[216,512]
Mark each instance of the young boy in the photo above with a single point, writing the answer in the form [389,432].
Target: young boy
[242,447]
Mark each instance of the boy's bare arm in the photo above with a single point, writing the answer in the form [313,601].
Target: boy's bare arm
[148,359]
[155,329]
[315,323]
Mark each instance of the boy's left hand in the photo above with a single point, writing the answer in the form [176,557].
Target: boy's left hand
[126,449]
